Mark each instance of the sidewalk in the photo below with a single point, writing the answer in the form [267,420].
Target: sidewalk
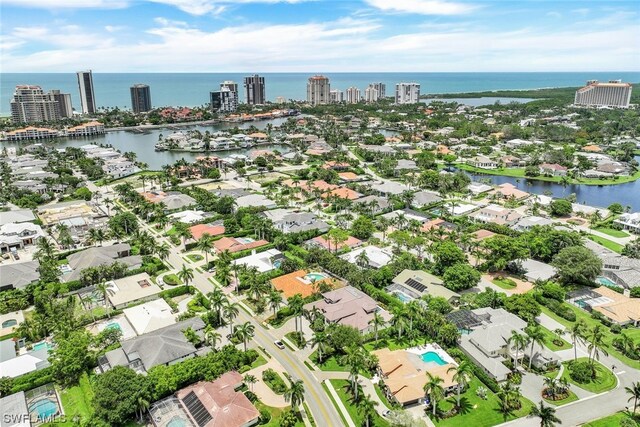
[339,403]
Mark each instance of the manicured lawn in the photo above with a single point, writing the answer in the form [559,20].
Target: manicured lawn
[581,314]
[504,283]
[392,344]
[548,340]
[612,232]
[328,364]
[195,257]
[344,393]
[571,398]
[477,412]
[605,380]
[606,243]
[611,420]
[76,402]
[258,362]
[276,414]
[172,280]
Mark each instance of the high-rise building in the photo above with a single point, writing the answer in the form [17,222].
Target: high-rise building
[353,95]
[140,98]
[65,109]
[318,89]
[407,93]
[336,96]
[254,90]
[226,99]
[371,94]
[87,96]
[611,94]
[31,105]
[381,88]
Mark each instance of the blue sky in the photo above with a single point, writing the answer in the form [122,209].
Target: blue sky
[319,35]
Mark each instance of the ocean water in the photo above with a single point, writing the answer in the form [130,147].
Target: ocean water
[192,89]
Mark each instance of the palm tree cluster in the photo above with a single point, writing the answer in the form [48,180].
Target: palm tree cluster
[547,415]
[414,320]
[509,396]
[556,389]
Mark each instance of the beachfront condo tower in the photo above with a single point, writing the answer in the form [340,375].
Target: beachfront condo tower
[611,94]
[318,90]
[87,97]
[140,98]
[254,90]
[31,105]
[407,93]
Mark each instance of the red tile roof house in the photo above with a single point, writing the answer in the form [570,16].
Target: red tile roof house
[197,231]
[233,244]
[218,404]
[553,169]
[322,242]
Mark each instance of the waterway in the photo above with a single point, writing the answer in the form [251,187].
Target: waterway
[601,196]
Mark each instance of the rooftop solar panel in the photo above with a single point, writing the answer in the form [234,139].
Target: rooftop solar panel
[416,285]
[197,409]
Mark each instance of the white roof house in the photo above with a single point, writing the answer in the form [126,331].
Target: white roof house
[255,200]
[262,261]
[124,291]
[377,257]
[24,364]
[150,316]
[188,216]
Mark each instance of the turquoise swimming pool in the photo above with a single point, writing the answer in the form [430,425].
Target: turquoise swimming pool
[314,277]
[9,323]
[42,345]
[176,421]
[114,325]
[43,408]
[605,281]
[431,356]
[402,297]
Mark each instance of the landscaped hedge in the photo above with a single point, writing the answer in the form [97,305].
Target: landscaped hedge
[559,308]
[478,371]
[247,252]
[177,291]
[32,380]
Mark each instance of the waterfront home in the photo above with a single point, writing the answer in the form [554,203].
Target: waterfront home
[496,214]
[414,284]
[512,161]
[86,129]
[350,307]
[207,404]
[164,346]
[374,256]
[488,331]
[482,162]
[552,169]
[629,221]
[613,168]
[131,289]
[403,372]
[509,191]
[30,133]
[477,188]
[18,275]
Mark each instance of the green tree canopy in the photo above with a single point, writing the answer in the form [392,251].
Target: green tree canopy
[578,265]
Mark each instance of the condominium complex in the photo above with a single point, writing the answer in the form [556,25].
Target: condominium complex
[65,109]
[353,95]
[407,93]
[140,98]
[611,94]
[336,96]
[31,105]
[318,90]
[87,97]
[226,99]
[254,90]
[381,88]
[375,92]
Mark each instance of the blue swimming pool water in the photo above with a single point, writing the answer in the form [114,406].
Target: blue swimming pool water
[176,422]
[314,276]
[402,297]
[431,356]
[604,281]
[43,408]
[9,323]
[114,325]
[43,345]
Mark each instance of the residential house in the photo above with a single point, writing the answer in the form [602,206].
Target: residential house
[255,200]
[536,270]
[414,284]
[303,282]
[14,365]
[101,255]
[263,262]
[482,162]
[215,229]
[403,166]
[496,214]
[19,275]
[131,289]
[16,216]
[15,236]
[164,346]
[389,188]
[552,169]
[373,204]
[235,244]
[477,188]
[297,222]
[528,222]
[373,255]
[324,243]
[509,191]
[621,270]
[423,199]
[150,316]
[14,411]
[629,221]
[350,307]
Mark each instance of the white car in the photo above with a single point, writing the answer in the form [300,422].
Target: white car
[279,344]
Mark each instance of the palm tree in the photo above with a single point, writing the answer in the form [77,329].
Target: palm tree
[634,391]
[596,343]
[434,390]
[142,405]
[547,415]
[275,301]
[551,384]
[519,342]
[185,274]
[362,259]
[368,408]
[320,340]
[462,375]
[376,321]
[245,332]
[577,335]
[295,304]
[536,336]
[105,291]
[217,302]
[163,251]
[205,244]
[295,392]
[230,312]
[211,336]
[251,380]
[354,359]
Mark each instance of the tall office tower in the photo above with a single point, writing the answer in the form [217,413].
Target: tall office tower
[371,94]
[336,96]
[407,93]
[31,105]
[65,109]
[611,94]
[318,89]
[381,88]
[353,95]
[87,97]
[140,98]
[254,90]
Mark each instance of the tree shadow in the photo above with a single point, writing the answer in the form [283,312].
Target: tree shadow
[465,406]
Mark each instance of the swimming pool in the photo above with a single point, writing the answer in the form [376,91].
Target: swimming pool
[245,240]
[431,356]
[43,408]
[314,277]
[176,421]
[42,345]
[402,297]
[9,323]
[114,325]
[605,281]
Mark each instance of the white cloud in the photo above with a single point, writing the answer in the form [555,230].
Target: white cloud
[68,4]
[215,7]
[423,7]
[114,28]
[554,14]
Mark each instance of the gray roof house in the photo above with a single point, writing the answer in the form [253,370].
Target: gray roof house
[622,270]
[389,188]
[17,216]
[14,411]
[486,342]
[417,283]
[304,221]
[19,275]
[176,200]
[101,255]
[528,222]
[425,198]
[536,270]
[160,347]
[382,203]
